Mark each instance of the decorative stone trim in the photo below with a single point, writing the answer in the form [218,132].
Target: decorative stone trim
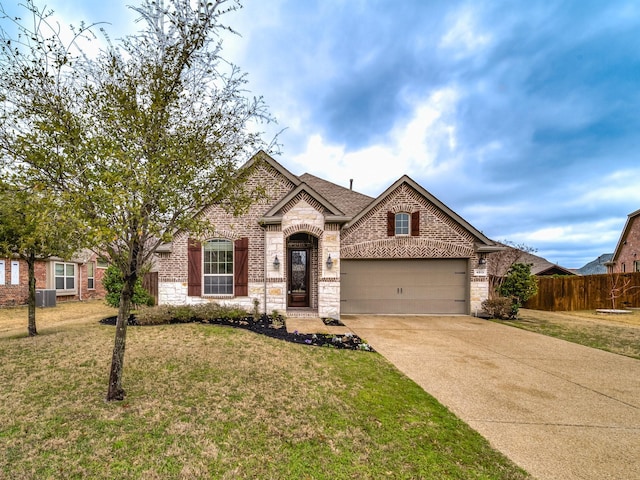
[406,247]
[302,227]
[163,279]
[332,227]
[403,207]
[215,233]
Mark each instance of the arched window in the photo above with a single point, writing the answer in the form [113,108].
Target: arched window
[218,267]
[402,223]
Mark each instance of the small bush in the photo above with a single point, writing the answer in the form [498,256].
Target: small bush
[501,308]
[160,315]
[166,314]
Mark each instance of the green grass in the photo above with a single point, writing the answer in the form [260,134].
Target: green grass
[214,402]
[611,333]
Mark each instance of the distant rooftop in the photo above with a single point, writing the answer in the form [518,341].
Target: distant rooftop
[597,266]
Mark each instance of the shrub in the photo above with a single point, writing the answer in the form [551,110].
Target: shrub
[113,283]
[519,284]
[501,308]
[160,315]
[165,314]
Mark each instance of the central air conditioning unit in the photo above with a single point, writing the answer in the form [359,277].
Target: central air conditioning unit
[45,298]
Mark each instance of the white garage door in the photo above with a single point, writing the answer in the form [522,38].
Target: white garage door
[414,286]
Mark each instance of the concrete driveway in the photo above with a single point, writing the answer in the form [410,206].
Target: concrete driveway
[559,410]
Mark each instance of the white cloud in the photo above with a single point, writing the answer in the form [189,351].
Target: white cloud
[464,36]
[416,146]
[618,187]
[584,234]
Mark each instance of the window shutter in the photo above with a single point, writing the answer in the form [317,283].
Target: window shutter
[391,224]
[194,268]
[415,224]
[241,267]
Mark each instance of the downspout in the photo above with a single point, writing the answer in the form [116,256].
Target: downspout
[264,257]
[80,281]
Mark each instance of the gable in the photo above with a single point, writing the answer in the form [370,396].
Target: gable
[436,231]
[629,238]
[434,222]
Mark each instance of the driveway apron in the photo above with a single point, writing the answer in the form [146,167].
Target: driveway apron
[557,409]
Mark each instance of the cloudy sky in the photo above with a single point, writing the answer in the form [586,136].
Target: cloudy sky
[521,116]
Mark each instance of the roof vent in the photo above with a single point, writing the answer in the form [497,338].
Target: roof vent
[351,184]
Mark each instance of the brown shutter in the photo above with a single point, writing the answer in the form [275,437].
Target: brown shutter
[391,224]
[241,267]
[415,224]
[194,268]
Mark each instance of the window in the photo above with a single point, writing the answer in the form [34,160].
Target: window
[15,272]
[102,262]
[636,266]
[218,267]
[91,275]
[65,276]
[402,224]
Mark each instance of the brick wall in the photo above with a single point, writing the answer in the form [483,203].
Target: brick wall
[440,236]
[17,294]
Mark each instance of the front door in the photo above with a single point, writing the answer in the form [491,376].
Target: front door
[298,282]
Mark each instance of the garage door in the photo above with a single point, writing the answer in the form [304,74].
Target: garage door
[413,286]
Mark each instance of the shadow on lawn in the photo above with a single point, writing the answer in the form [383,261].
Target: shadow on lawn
[266,326]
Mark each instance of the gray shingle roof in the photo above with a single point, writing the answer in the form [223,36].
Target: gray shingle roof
[346,200]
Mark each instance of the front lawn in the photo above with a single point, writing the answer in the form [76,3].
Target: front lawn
[206,401]
[614,333]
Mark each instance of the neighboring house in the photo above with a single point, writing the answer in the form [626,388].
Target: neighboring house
[626,257]
[500,263]
[77,279]
[597,266]
[314,248]
[541,267]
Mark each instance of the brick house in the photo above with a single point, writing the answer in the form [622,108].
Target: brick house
[77,279]
[626,257]
[313,248]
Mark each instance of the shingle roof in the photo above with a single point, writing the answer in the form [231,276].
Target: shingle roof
[539,265]
[346,200]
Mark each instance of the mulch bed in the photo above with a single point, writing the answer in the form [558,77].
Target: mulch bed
[265,326]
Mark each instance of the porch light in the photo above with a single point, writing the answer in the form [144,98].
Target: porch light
[329,262]
[276,263]
[482,259]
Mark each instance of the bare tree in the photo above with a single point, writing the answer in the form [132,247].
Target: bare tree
[620,286]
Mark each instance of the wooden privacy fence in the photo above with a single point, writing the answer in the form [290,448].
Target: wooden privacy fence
[150,284]
[586,292]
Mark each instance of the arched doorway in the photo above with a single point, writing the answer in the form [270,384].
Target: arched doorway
[302,266]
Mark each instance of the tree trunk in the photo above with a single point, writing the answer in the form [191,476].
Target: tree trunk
[31,267]
[116,392]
